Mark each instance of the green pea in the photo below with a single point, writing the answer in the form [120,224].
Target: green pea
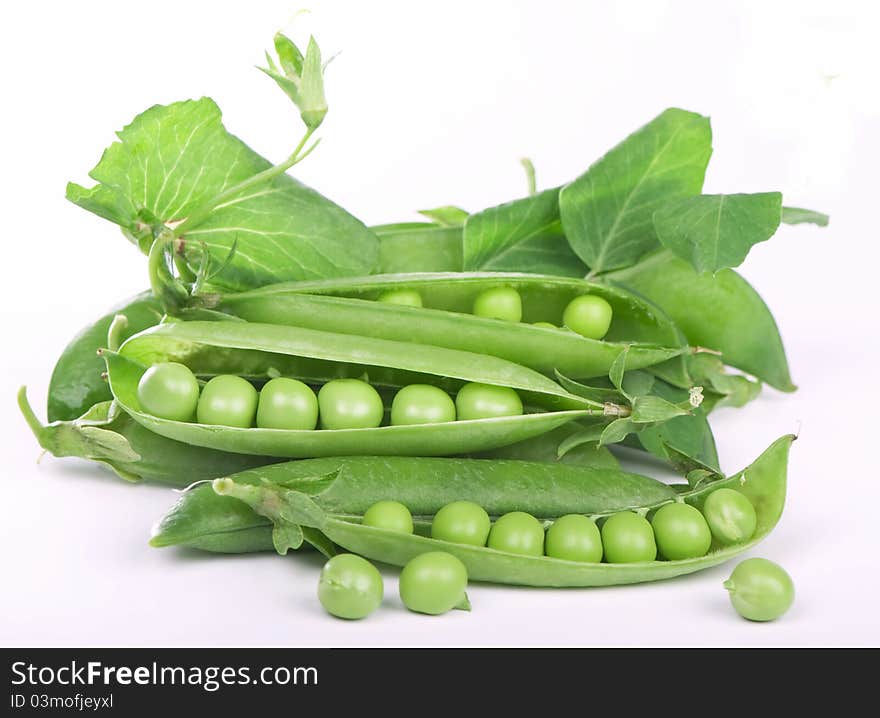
[434,583]
[517,532]
[730,515]
[487,401]
[421,404]
[499,303]
[228,400]
[350,404]
[287,404]
[462,522]
[628,538]
[760,590]
[588,315]
[574,537]
[389,515]
[681,532]
[404,297]
[169,391]
[350,587]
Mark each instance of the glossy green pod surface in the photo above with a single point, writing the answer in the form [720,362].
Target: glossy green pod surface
[763,483]
[258,351]
[347,306]
[204,520]
[76,383]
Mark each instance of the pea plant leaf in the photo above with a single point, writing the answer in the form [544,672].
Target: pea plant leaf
[716,231]
[173,158]
[607,212]
[521,236]
[796,215]
[446,216]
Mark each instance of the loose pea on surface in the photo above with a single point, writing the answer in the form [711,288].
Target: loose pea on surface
[228,400]
[681,532]
[350,587]
[390,515]
[169,391]
[349,404]
[517,532]
[486,401]
[404,297]
[434,583]
[499,303]
[287,404]
[588,315]
[462,522]
[574,538]
[421,404]
[760,590]
[627,538]
[730,515]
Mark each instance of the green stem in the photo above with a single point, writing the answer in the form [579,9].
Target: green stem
[33,421]
[529,167]
[203,211]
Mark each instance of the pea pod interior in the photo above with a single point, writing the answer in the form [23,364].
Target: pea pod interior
[258,351]
[763,483]
[348,306]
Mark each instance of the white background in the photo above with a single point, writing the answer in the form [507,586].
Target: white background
[430,104]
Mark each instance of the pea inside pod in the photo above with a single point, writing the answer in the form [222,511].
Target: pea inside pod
[447,318]
[763,483]
[256,351]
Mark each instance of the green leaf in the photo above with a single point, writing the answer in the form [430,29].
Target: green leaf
[796,215]
[617,431]
[735,389]
[589,435]
[651,409]
[286,536]
[173,158]
[715,231]
[446,216]
[607,212]
[637,383]
[597,394]
[617,369]
[521,236]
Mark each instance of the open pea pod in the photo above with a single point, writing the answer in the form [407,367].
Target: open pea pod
[348,306]
[204,520]
[763,483]
[259,351]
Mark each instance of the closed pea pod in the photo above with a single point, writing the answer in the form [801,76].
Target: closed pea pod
[259,350]
[763,482]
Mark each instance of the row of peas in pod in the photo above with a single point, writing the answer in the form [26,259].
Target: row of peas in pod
[588,315]
[435,582]
[676,530]
[170,390]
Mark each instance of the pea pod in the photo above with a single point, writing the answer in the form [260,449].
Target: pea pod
[204,520]
[347,306]
[763,483]
[261,350]
[76,382]
[719,311]
[112,438]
